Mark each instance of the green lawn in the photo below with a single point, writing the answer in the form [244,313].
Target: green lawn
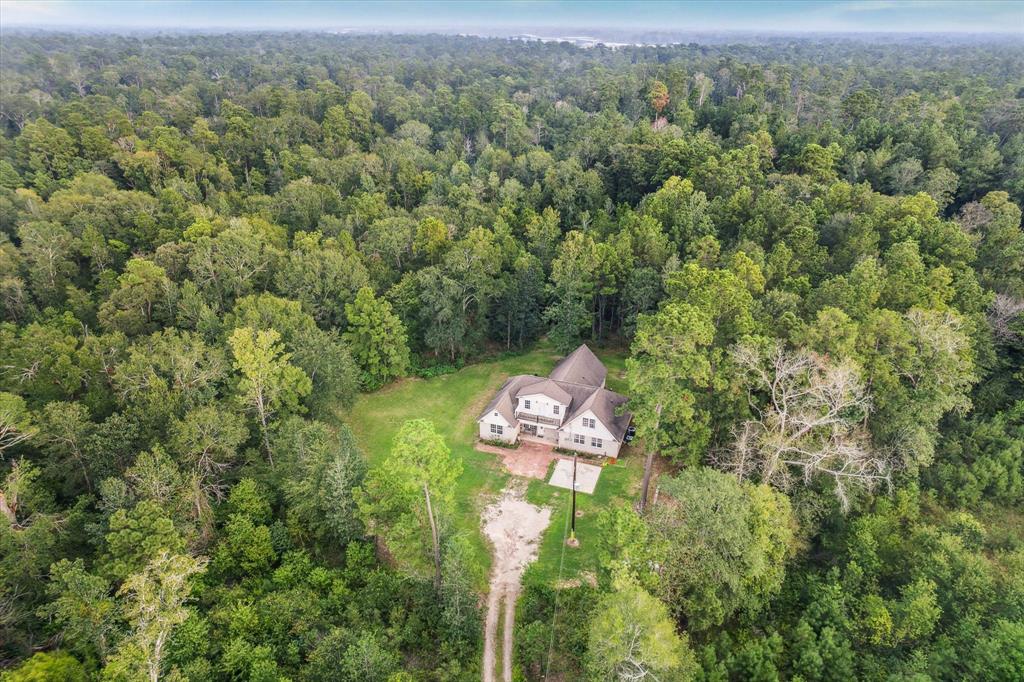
[618,484]
[453,403]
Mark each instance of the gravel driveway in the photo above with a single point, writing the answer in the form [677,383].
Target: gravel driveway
[514,527]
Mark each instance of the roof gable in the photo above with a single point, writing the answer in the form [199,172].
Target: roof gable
[548,388]
[502,400]
[580,367]
[602,404]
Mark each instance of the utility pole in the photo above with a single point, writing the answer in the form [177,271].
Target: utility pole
[574,495]
[572,534]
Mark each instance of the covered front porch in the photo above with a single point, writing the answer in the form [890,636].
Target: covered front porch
[538,433]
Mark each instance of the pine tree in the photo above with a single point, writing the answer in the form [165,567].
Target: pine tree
[377,339]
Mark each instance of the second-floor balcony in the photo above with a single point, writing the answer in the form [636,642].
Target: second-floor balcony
[532,418]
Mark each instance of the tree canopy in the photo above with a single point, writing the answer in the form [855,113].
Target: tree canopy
[809,247]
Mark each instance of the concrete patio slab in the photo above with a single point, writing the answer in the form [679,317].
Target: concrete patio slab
[586,476]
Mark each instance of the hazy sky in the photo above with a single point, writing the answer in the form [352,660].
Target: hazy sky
[520,15]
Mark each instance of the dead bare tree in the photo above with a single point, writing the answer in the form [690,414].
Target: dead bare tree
[973,217]
[1003,314]
[810,423]
[17,483]
[704,86]
[15,426]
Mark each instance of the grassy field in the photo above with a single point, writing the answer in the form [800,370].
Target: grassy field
[453,403]
[618,484]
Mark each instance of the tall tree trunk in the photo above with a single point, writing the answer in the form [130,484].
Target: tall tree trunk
[85,471]
[266,443]
[153,664]
[649,464]
[437,543]
[9,509]
[648,467]
[265,429]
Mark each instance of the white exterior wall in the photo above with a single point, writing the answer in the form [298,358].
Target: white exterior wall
[542,405]
[609,445]
[509,433]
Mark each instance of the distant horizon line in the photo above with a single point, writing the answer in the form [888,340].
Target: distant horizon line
[526,32]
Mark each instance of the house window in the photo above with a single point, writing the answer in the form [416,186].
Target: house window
[526,404]
[589,423]
[497,429]
[596,443]
[554,409]
[578,439]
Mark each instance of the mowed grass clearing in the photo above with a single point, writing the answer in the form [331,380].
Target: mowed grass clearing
[453,402]
[618,485]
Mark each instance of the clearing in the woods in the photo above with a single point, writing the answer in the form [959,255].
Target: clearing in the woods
[453,402]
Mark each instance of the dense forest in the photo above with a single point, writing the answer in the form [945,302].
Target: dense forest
[210,246]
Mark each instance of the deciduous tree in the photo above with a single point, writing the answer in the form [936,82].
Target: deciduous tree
[668,365]
[154,606]
[270,385]
[725,545]
[633,638]
[659,97]
[16,423]
[572,291]
[406,498]
[142,301]
[809,426]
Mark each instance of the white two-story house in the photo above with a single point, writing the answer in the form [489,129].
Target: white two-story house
[570,408]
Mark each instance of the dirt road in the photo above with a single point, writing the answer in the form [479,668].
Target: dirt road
[514,527]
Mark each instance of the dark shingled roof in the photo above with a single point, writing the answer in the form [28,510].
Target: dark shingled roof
[603,403]
[502,401]
[582,394]
[549,388]
[580,367]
